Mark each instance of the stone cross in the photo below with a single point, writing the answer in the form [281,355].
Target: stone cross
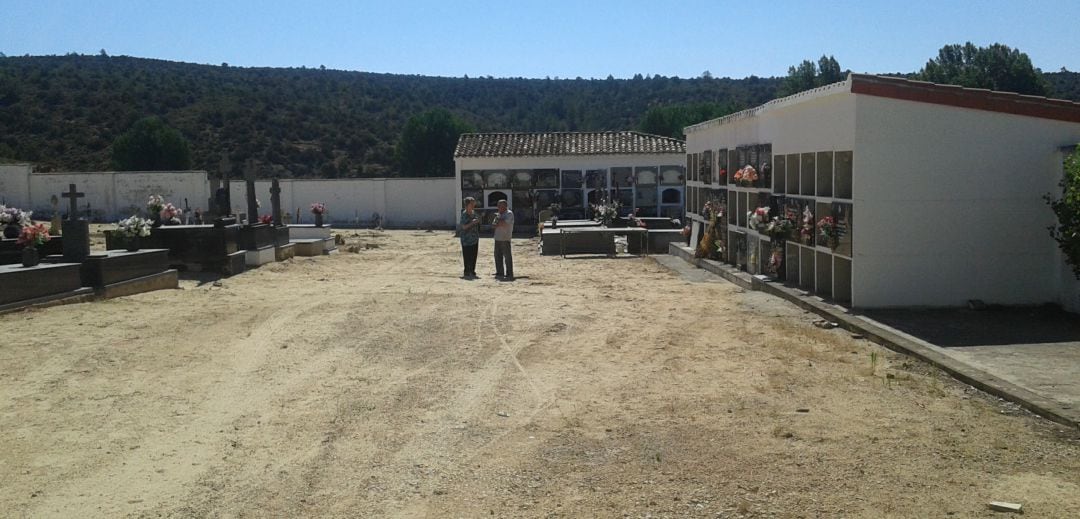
[187,212]
[73,213]
[225,168]
[252,203]
[275,201]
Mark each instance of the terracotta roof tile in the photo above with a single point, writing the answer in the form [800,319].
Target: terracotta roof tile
[564,143]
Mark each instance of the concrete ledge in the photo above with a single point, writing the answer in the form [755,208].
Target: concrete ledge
[260,256]
[309,247]
[80,295]
[284,252]
[159,281]
[872,331]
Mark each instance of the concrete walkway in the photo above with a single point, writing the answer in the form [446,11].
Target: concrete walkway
[1030,356]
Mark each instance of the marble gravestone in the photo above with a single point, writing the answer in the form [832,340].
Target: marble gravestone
[76,230]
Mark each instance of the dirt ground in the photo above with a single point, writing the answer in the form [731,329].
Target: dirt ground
[377,383]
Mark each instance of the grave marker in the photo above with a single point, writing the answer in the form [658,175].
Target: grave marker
[73,196]
[252,202]
[275,201]
[55,224]
[76,231]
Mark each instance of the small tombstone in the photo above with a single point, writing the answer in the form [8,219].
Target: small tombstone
[275,202]
[252,201]
[55,225]
[76,231]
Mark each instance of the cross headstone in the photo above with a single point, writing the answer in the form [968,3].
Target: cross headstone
[187,212]
[275,201]
[252,202]
[226,167]
[74,196]
[76,231]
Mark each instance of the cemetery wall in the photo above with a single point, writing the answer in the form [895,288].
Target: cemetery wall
[954,207]
[112,195]
[400,202]
[15,185]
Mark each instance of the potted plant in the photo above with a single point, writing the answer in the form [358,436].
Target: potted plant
[317,209]
[132,229]
[31,237]
[13,219]
[153,208]
[170,214]
[606,212]
[779,228]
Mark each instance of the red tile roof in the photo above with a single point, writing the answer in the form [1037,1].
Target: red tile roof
[565,143]
[975,98]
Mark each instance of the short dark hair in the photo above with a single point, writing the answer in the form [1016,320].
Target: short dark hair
[469,200]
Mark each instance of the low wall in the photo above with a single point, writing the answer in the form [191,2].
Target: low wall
[399,202]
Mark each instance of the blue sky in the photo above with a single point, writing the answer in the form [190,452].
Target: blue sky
[539,39]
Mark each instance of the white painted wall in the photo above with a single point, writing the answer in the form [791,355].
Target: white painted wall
[402,202]
[15,185]
[948,205]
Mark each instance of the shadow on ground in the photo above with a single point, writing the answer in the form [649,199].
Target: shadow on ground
[994,326]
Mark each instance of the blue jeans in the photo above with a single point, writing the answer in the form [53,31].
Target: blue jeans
[503,256]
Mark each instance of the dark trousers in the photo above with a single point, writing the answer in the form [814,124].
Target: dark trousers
[468,253]
[503,255]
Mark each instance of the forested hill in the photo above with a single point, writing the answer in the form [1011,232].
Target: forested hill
[63,112]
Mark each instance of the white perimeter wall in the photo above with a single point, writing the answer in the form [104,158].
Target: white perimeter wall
[402,202]
[948,206]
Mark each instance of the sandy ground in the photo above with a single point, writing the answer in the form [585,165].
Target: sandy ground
[377,383]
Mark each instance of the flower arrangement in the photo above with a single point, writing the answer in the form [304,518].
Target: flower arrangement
[33,235]
[266,219]
[779,228]
[806,231]
[722,175]
[14,216]
[606,212]
[758,218]
[829,230]
[134,227]
[776,261]
[746,176]
[169,214]
[318,208]
[155,204]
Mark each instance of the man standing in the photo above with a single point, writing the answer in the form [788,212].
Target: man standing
[504,229]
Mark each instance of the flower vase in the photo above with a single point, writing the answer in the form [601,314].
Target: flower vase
[132,243]
[12,230]
[155,220]
[318,220]
[30,256]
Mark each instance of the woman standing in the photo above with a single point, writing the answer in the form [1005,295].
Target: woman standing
[469,232]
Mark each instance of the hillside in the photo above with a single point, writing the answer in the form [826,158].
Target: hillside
[63,112]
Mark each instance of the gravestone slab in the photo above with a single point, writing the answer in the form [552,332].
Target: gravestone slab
[76,243]
[11,252]
[30,283]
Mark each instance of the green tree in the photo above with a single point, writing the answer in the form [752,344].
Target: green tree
[808,75]
[669,120]
[996,67]
[1067,209]
[426,148]
[150,145]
